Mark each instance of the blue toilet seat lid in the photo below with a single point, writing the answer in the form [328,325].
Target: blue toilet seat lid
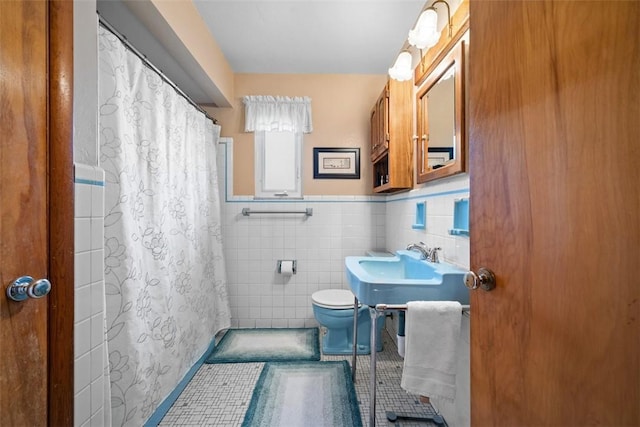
[337,299]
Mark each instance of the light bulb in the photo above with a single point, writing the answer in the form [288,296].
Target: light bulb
[402,70]
[425,33]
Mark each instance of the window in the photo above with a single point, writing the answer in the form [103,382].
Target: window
[278,123]
[278,164]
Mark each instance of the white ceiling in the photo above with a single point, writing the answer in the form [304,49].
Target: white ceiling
[310,36]
[271,36]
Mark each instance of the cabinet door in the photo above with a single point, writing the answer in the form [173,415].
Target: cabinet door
[380,126]
[422,158]
[441,144]
[374,131]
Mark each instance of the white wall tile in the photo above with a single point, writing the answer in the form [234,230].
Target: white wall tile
[97,419]
[82,303]
[97,265]
[97,232]
[82,201]
[82,234]
[82,268]
[97,200]
[82,372]
[97,396]
[97,362]
[89,366]
[82,407]
[82,337]
[97,297]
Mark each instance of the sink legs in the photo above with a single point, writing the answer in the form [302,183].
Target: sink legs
[374,313]
[355,339]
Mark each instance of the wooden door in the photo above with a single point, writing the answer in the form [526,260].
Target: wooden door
[555,212]
[36,212]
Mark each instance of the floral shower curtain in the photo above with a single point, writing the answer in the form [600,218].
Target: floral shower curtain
[166,294]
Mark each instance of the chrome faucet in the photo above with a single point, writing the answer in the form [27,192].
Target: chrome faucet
[420,247]
[433,255]
[430,255]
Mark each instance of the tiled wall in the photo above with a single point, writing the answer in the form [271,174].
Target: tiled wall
[339,227]
[90,361]
[439,198]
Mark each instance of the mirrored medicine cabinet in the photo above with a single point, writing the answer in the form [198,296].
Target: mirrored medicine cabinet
[440,109]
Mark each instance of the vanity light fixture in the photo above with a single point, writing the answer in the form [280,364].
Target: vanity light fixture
[425,34]
[402,69]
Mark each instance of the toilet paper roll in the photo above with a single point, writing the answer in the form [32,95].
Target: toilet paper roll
[286,268]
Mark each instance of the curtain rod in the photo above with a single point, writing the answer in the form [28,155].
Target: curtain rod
[148,63]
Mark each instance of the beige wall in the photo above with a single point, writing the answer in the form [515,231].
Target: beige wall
[341,105]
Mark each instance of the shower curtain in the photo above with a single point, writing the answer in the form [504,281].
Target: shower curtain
[166,294]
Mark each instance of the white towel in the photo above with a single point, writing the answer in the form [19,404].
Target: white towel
[431,340]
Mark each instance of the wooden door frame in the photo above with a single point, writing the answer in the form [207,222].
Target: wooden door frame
[61,213]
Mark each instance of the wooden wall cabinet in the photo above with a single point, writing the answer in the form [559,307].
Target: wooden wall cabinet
[391,138]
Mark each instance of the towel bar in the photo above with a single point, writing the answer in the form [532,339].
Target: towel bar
[307,212]
[403,307]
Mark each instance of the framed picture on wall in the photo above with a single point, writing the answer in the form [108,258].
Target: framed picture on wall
[336,163]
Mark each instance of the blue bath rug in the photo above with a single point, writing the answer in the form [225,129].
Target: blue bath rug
[304,394]
[266,345]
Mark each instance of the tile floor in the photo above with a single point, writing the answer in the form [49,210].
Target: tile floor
[219,394]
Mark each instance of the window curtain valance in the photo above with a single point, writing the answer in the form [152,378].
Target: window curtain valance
[277,114]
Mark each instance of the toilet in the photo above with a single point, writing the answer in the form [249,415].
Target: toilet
[333,310]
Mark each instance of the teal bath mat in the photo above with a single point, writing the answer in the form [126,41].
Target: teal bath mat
[266,345]
[304,394]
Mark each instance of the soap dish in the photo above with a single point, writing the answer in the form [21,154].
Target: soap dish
[420,222]
[460,218]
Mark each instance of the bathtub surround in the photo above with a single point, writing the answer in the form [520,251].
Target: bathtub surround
[164,265]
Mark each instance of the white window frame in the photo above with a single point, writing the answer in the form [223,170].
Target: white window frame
[275,179]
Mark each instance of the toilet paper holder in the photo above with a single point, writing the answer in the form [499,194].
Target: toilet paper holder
[293,266]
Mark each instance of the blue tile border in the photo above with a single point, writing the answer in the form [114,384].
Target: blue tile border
[338,199]
[89,182]
[88,175]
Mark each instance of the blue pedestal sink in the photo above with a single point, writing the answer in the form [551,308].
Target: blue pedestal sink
[398,280]
[404,277]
